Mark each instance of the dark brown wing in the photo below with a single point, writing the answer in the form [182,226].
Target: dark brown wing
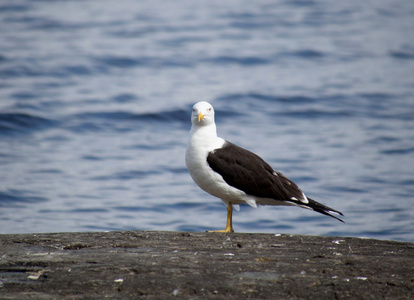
[248,172]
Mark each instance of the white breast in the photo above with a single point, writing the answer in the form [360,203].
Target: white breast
[213,183]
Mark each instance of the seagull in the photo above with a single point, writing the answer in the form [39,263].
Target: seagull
[236,175]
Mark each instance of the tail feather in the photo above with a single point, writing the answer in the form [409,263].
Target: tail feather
[320,208]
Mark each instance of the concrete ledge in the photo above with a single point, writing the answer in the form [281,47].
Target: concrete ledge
[162,265]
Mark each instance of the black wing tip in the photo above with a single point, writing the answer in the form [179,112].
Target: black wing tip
[325,210]
[332,216]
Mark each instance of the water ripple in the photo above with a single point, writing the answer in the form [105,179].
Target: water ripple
[121,120]
[18,198]
[243,61]
[12,123]
[401,54]
[305,54]
[398,151]
[293,99]
[11,7]
[125,62]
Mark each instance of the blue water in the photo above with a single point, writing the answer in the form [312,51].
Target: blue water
[96,96]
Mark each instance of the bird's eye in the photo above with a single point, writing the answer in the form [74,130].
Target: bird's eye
[209,109]
[193,109]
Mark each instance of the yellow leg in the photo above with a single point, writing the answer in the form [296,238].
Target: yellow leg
[229,224]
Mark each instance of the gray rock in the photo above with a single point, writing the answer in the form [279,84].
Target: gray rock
[162,265]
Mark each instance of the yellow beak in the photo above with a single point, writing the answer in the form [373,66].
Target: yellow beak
[200,117]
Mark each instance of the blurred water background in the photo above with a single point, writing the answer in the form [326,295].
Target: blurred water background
[96,96]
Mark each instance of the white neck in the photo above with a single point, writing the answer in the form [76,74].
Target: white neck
[205,137]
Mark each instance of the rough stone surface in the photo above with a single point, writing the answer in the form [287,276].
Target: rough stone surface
[166,265]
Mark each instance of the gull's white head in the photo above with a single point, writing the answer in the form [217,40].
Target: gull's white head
[203,114]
